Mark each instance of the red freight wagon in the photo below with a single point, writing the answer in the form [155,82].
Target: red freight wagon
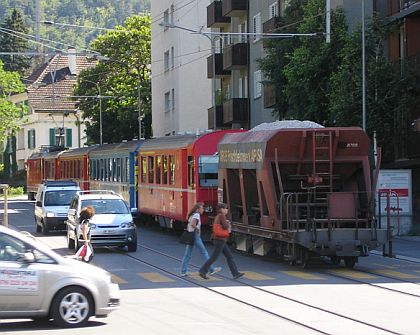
[300,192]
[74,165]
[175,172]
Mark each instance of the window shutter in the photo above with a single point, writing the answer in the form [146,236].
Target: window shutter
[29,139]
[52,136]
[68,138]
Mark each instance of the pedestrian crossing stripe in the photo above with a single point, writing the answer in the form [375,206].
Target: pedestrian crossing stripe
[385,266]
[155,277]
[396,274]
[117,280]
[256,276]
[352,274]
[303,275]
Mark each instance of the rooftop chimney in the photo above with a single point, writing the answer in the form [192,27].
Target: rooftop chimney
[71,54]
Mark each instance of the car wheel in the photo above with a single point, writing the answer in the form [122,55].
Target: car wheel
[70,242]
[72,307]
[132,247]
[44,228]
[76,242]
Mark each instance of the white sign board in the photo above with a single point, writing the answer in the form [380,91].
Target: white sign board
[397,183]
[15,279]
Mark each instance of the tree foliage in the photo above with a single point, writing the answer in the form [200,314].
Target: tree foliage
[323,83]
[10,113]
[120,76]
[11,42]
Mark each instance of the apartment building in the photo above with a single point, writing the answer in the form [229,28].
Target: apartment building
[181,92]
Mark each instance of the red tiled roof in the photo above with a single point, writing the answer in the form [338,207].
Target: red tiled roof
[45,96]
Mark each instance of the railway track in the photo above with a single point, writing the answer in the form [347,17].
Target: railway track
[273,303]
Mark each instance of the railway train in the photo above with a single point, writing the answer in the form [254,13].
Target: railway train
[294,192]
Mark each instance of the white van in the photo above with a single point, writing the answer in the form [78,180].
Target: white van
[52,203]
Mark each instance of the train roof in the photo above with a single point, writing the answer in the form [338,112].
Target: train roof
[77,152]
[129,146]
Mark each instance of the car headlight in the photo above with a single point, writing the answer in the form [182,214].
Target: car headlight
[128,225]
[92,226]
[50,214]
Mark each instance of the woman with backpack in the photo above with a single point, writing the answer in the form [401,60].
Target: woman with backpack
[221,232]
[194,225]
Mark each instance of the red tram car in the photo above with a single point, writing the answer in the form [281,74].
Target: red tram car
[74,165]
[175,173]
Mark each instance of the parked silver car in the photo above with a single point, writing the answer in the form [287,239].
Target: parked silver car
[37,283]
[112,224]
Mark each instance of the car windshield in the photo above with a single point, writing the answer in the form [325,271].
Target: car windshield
[107,206]
[58,197]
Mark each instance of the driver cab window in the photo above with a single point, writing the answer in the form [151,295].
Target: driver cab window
[11,249]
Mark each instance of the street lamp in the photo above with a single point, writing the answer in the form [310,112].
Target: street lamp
[100,108]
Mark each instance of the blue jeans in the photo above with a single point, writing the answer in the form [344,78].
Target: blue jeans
[198,242]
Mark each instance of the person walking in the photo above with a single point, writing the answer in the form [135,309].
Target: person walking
[221,232]
[194,225]
[85,215]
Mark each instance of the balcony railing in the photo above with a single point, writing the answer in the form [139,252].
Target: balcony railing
[215,18]
[219,117]
[234,7]
[220,72]
[269,96]
[273,24]
[235,56]
[235,110]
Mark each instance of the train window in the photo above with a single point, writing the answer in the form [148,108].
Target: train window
[191,171]
[171,170]
[151,169]
[165,169]
[143,169]
[118,169]
[127,170]
[158,169]
[207,171]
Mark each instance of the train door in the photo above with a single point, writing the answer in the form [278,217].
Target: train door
[184,181]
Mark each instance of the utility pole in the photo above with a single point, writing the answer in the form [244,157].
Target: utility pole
[139,99]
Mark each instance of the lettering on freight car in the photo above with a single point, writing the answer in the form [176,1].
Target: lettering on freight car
[235,156]
[346,145]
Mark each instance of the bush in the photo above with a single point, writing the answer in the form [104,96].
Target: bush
[14,191]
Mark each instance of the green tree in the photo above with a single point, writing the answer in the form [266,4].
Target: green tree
[12,42]
[120,77]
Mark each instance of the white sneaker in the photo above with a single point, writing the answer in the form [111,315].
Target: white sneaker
[184,274]
[215,270]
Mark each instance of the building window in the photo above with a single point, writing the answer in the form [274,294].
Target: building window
[166,61]
[283,5]
[243,87]
[257,84]
[256,29]
[166,19]
[167,102]
[173,100]
[172,64]
[31,139]
[273,10]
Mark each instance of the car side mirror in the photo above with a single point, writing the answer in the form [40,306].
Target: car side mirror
[27,257]
[38,203]
[71,211]
[133,211]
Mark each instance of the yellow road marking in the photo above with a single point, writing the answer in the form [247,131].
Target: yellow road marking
[117,280]
[303,275]
[352,274]
[385,266]
[196,276]
[155,277]
[256,276]
[396,274]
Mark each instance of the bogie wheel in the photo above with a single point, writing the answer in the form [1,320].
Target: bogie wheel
[132,247]
[335,260]
[304,258]
[72,307]
[350,262]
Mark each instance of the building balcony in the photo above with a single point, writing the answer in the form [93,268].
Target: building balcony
[235,110]
[234,7]
[219,71]
[219,117]
[235,56]
[409,9]
[273,24]
[215,18]
[269,96]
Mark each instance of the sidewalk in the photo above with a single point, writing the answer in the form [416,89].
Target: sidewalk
[404,247]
